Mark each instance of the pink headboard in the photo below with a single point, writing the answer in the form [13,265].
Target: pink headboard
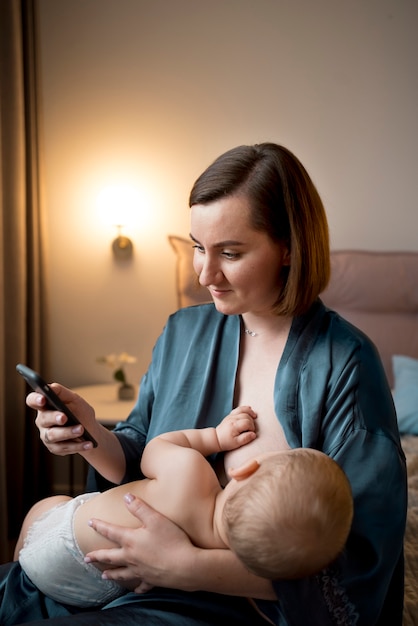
[376,291]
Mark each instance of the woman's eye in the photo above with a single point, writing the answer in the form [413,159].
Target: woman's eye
[225,253]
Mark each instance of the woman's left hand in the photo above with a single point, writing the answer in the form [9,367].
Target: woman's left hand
[155,554]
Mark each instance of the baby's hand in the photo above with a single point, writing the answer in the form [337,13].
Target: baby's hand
[237,428]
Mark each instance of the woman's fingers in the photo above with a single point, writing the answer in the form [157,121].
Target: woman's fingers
[148,555]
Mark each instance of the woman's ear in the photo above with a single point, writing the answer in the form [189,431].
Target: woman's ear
[287,256]
[245,470]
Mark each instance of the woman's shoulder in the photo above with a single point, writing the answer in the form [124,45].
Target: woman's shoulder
[324,336]
[332,326]
[340,375]
[342,331]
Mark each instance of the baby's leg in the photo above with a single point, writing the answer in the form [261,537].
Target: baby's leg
[36,511]
[110,507]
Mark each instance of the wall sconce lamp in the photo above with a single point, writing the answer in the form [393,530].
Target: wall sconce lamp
[119,204]
[122,246]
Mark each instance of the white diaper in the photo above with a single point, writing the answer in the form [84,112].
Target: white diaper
[54,562]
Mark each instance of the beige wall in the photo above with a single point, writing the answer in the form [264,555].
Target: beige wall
[151,91]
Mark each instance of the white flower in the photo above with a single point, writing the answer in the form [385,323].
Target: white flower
[116,362]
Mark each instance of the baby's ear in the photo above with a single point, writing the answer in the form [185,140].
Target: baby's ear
[245,470]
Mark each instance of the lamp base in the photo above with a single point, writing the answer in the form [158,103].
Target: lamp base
[122,247]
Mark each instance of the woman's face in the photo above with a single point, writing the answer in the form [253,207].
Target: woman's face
[240,266]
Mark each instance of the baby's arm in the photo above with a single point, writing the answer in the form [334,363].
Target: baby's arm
[235,430]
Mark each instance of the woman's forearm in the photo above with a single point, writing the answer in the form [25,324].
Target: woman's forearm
[220,571]
[160,554]
[108,458]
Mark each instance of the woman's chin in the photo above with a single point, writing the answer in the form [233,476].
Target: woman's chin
[226,308]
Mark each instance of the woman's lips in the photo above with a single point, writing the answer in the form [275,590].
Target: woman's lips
[219,293]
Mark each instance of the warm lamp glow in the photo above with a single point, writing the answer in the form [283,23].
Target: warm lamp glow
[118,206]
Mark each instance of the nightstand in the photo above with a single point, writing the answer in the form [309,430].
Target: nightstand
[104,399]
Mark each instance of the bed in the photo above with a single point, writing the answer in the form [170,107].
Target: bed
[378,292]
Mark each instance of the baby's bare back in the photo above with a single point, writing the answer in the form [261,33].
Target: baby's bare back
[186,495]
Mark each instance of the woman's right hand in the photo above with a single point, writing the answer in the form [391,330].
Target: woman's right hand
[57,437]
[158,553]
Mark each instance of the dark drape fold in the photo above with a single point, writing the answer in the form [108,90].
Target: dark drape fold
[25,465]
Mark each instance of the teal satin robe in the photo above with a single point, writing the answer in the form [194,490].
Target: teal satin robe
[331,394]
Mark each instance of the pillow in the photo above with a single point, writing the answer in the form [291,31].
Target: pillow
[187,285]
[405,394]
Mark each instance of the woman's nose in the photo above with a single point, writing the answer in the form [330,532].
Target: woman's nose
[208,271]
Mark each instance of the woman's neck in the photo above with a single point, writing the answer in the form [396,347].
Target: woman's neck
[266,326]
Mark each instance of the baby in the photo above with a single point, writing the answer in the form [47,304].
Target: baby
[285,514]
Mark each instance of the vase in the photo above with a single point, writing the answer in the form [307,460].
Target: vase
[126,392]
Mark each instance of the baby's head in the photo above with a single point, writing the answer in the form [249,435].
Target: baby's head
[292,517]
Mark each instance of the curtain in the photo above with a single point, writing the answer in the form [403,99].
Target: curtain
[25,472]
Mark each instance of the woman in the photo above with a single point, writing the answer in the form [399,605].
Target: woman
[261,248]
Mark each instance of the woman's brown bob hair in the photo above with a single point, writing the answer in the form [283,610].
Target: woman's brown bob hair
[284,204]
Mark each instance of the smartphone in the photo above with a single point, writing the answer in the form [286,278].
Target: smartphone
[35,381]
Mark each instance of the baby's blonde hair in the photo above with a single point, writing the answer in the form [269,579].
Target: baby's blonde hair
[292,517]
